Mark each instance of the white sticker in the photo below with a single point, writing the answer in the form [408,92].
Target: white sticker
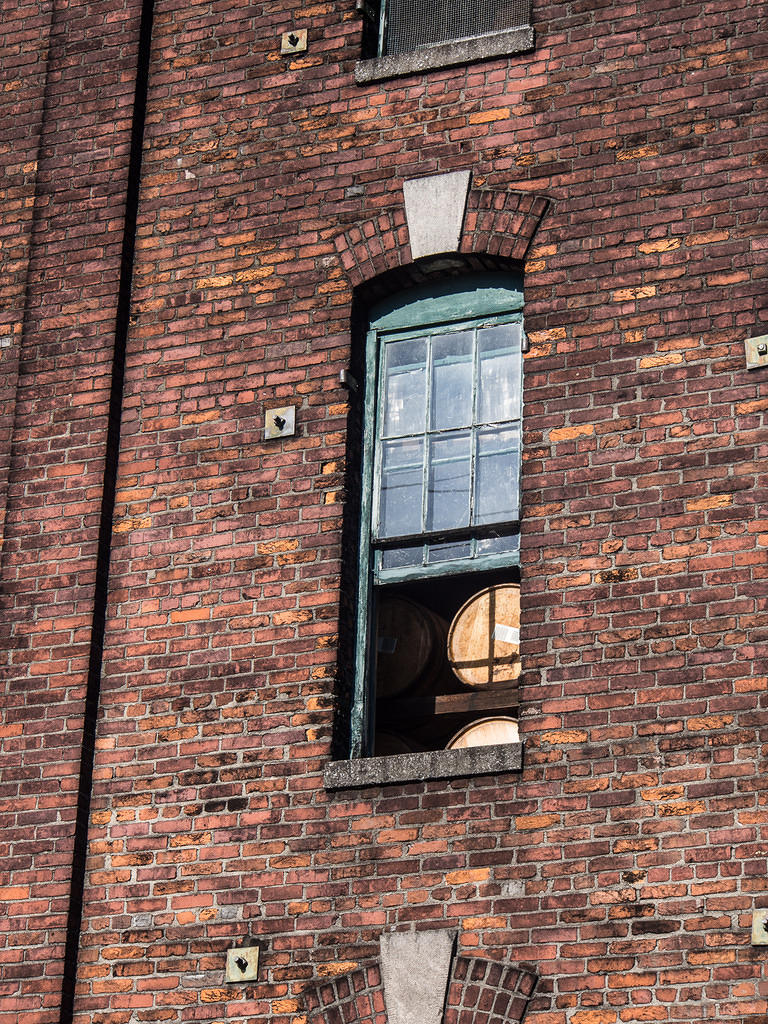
[386,644]
[507,634]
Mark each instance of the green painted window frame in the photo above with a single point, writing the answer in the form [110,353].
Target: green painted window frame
[470,302]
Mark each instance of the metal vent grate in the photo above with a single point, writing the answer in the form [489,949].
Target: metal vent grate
[411,24]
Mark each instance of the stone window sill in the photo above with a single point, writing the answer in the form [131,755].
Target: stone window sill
[446,55]
[417,767]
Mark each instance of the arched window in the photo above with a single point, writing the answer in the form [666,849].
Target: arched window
[440,520]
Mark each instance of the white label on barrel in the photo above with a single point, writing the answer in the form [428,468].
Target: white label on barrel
[507,634]
[386,644]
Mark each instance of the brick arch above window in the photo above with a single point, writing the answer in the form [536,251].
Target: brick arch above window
[496,223]
[355,997]
[479,991]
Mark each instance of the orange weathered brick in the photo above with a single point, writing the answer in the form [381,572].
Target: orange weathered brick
[468,875]
[557,736]
[709,722]
[645,291]
[660,245]
[191,615]
[218,995]
[638,153]
[714,501]
[526,822]
[487,116]
[665,359]
[331,970]
[568,433]
[594,1017]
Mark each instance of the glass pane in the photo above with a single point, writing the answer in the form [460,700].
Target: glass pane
[449,476]
[401,558]
[448,552]
[496,545]
[401,486]
[496,474]
[499,374]
[452,380]
[404,394]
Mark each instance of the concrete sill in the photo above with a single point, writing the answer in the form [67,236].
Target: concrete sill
[446,55]
[431,764]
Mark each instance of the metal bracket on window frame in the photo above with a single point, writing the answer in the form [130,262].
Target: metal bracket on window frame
[366,10]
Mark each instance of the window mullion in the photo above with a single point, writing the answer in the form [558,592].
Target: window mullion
[427,445]
[473,430]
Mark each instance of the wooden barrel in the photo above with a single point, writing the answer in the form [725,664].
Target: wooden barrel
[486,732]
[484,638]
[410,646]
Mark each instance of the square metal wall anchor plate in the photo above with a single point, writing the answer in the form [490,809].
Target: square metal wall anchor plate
[760,928]
[243,964]
[280,422]
[294,41]
[756,352]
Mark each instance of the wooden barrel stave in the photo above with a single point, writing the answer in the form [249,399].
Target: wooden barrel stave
[410,647]
[486,732]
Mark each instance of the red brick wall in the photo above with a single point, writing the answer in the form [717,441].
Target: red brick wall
[26,31]
[625,861]
[63,220]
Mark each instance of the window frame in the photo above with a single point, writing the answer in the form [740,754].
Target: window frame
[476,300]
[384,17]
[379,66]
